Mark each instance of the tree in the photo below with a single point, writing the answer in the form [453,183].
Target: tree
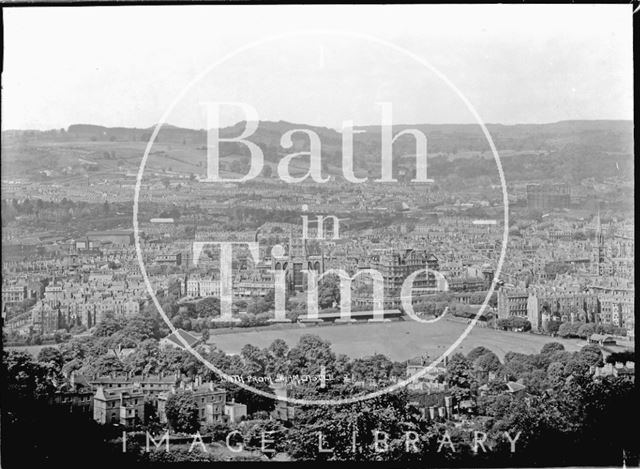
[83,348]
[268,430]
[591,355]
[108,326]
[254,359]
[25,378]
[552,326]
[477,352]
[182,412]
[517,364]
[488,362]
[459,377]
[51,356]
[555,373]
[120,339]
[208,307]
[141,327]
[585,330]
[103,365]
[145,359]
[329,291]
[376,367]
[259,305]
[218,430]
[277,357]
[388,413]
[172,360]
[535,381]
[514,322]
[568,329]
[310,354]
[551,347]
[521,323]
[343,368]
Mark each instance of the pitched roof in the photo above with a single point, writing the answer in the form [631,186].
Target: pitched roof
[189,338]
[515,387]
[601,337]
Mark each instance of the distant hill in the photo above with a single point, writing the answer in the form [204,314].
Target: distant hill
[614,135]
[93,148]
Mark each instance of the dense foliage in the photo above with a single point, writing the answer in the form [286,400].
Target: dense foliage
[563,415]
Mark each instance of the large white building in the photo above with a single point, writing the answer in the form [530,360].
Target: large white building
[200,287]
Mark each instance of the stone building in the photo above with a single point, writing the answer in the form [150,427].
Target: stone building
[299,255]
[151,385]
[397,264]
[122,406]
[14,293]
[543,306]
[209,399]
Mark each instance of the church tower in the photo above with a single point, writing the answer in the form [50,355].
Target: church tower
[599,245]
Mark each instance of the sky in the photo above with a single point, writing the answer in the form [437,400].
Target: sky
[127,65]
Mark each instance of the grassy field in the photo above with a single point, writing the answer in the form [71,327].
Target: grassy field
[397,340]
[32,349]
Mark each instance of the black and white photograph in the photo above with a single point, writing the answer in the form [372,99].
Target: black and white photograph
[388,234]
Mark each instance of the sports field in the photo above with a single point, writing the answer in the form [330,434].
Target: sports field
[399,340]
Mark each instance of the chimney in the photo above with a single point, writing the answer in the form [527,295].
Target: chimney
[211,388]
